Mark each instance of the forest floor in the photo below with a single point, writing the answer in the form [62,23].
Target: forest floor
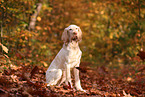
[29,81]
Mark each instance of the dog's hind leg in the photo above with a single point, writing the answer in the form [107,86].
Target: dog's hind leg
[63,78]
[53,76]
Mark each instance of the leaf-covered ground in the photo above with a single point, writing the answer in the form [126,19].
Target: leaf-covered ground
[29,81]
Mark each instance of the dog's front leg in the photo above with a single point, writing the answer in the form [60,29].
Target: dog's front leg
[68,75]
[77,80]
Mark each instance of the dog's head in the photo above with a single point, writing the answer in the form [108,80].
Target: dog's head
[72,33]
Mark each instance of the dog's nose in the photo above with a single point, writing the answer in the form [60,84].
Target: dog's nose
[74,33]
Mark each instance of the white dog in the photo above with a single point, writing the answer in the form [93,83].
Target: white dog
[68,58]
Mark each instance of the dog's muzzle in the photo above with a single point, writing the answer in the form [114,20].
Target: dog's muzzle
[75,38]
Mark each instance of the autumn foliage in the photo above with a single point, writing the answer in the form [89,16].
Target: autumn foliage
[112,45]
[141,54]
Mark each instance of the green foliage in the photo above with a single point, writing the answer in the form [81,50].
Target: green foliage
[16,12]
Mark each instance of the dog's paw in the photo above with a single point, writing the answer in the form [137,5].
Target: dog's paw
[80,89]
[83,90]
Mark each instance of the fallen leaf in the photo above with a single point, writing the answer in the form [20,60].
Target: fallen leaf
[126,95]
[6,72]
[44,64]
[4,48]
[3,93]
[129,79]
[141,54]
[34,70]
[26,94]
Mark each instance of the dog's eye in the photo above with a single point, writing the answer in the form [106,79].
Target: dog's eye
[70,29]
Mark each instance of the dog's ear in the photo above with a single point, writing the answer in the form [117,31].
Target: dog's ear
[65,36]
[79,34]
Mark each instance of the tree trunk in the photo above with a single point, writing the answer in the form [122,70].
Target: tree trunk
[34,17]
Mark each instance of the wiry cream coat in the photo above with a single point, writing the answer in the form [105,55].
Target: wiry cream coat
[68,58]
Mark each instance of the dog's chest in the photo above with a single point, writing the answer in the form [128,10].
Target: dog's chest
[73,57]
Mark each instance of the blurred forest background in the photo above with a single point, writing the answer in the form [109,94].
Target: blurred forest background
[113,30]
[113,35]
